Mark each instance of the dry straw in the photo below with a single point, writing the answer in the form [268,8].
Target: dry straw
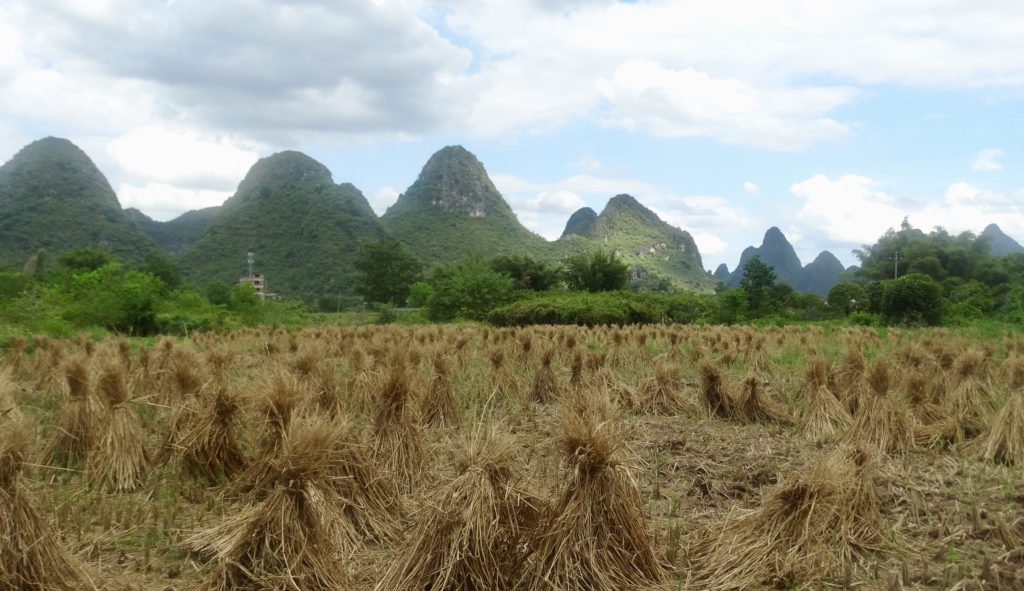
[824,417]
[596,536]
[471,534]
[440,408]
[119,460]
[208,447]
[545,384]
[1004,442]
[754,405]
[31,556]
[716,399]
[397,443]
[661,393]
[805,531]
[882,421]
[297,535]
[77,423]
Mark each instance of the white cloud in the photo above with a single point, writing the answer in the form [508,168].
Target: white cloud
[849,209]
[184,159]
[751,188]
[987,159]
[163,202]
[383,198]
[647,97]
[588,164]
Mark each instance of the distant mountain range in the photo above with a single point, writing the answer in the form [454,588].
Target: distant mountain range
[305,229]
[775,251]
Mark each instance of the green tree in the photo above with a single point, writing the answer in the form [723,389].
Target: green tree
[528,273]
[758,284]
[163,267]
[912,299]
[600,270]
[468,290]
[846,297]
[85,259]
[218,293]
[386,269]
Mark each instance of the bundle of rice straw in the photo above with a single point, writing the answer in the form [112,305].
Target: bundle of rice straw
[78,421]
[758,359]
[1004,442]
[882,421]
[397,444]
[502,377]
[824,417]
[545,385]
[596,536]
[717,401]
[31,556]
[208,447]
[661,395]
[440,408]
[326,393]
[8,407]
[119,460]
[805,531]
[970,398]
[755,406]
[918,391]
[297,535]
[849,378]
[471,534]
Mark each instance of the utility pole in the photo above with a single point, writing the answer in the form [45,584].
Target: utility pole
[896,265]
[251,258]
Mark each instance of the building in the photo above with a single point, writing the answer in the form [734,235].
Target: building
[258,283]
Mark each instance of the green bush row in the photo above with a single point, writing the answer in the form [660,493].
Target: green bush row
[612,307]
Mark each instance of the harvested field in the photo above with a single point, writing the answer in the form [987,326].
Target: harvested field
[458,457]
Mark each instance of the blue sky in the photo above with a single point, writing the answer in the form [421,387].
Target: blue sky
[831,120]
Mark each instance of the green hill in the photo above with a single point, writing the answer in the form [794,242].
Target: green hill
[646,243]
[776,252]
[303,229]
[53,197]
[999,243]
[175,235]
[821,274]
[453,210]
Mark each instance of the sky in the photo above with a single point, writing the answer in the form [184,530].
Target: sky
[830,119]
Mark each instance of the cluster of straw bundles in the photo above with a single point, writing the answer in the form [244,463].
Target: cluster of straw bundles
[440,408]
[595,537]
[8,407]
[298,534]
[77,423]
[1005,440]
[31,556]
[805,530]
[881,420]
[824,417]
[119,460]
[208,447]
[471,535]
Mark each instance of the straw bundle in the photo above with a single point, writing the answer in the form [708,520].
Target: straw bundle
[208,447]
[882,421]
[470,536]
[77,423]
[397,443]
[805,530]
[119,460]
[545,385]
[297,535]
[717,401]
[661,395]
[596,535]
[823,416]
[31,556]
[440,408]
[1004,442]
[754,405]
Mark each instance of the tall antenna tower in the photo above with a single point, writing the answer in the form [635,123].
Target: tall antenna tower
[251,258]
